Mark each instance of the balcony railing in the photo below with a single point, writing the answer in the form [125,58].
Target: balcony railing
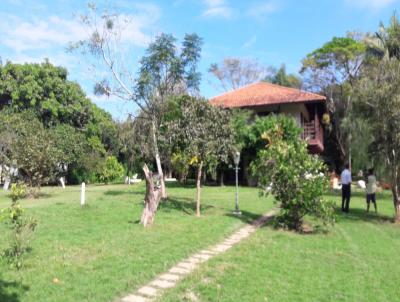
[309,131]
[313,134]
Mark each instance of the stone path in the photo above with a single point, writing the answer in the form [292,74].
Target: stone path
[154,288]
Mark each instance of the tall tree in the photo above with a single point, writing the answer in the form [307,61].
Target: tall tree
[333,70]
[378,102]
[163,71]
[233,73]
[389,39]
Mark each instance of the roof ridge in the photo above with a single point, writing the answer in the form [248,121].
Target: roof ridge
[269,84]
[234,90]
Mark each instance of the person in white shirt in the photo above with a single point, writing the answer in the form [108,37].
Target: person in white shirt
[371,190]
[346,188]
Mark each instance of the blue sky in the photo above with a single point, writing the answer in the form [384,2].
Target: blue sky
[270,31]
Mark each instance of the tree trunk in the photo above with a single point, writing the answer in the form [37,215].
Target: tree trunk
[151,200]
[221,178]
[158,162]
[396,202]
[198,186]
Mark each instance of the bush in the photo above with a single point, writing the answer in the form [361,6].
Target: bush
[112,170]
[295,178]
[18,191]
[21,227]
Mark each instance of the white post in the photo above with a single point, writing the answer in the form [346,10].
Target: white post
[62,182]
[7,182]
[6,185]
[83,194]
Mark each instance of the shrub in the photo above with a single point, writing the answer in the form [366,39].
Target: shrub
[112,170]
[295,178]
[21,227]
[18,191]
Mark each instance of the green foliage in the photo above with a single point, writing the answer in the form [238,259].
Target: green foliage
[20,227]
[378,103]
[18,191]
[294,177]
[39,98]
[44,89]
[201,130]
[32,147]
[112,170]
[163,68]
[390,38]
[241,124]
[181,164]
[341,58]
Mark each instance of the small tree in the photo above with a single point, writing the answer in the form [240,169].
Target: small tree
[21,227]
[202,132]
[294,177]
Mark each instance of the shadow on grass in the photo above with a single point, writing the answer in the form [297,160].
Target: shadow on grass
[361,215]
[183,185]
[246,217]
[123,192]
[186,205]
[10,290]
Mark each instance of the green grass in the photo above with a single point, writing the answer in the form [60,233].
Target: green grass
[358,260]
[100,252]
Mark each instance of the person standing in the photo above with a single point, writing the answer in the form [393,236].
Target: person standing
[346,188]
[371,190]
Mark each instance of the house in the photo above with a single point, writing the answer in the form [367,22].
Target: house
[265,98]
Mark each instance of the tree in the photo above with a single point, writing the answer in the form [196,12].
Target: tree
[201,132]
[332,70]
[129,150]
[163,71]
[295,178]
[32,148]
[233,73]
[378,102]
[280,77]
[387,42]
[45,91]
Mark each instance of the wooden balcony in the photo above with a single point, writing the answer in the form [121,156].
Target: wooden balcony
[314,135]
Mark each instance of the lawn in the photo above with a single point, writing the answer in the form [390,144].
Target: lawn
[100,252]
[356,261]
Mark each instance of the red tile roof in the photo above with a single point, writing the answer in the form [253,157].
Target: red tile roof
[263,93]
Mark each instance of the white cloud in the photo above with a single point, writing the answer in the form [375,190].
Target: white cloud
[261,9]
[39,34]
[249,43]
[21,35]
[217,8]
[370,4]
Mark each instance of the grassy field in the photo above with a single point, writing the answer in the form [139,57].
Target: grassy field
[358,260]
[100,252]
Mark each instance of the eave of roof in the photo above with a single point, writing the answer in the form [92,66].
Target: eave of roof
[262,94]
